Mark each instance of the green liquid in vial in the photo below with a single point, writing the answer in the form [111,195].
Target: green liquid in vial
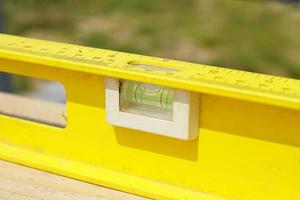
[147,99]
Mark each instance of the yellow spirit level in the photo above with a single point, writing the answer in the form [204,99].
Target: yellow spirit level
[246,144]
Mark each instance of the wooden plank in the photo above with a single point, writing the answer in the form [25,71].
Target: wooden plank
[23,183]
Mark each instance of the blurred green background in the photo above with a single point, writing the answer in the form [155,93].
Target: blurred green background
[260,36]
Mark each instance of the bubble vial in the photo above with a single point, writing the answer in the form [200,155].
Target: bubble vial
[146,99]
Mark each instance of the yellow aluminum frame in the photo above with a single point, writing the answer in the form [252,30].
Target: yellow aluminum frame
[249,140]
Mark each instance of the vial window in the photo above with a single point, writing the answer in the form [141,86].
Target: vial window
[146,99]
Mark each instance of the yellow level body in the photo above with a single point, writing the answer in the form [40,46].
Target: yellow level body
[249,131]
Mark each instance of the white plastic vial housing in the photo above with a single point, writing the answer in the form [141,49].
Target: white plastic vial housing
[152,108]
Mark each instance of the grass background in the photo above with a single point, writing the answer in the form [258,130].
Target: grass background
[260,36]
